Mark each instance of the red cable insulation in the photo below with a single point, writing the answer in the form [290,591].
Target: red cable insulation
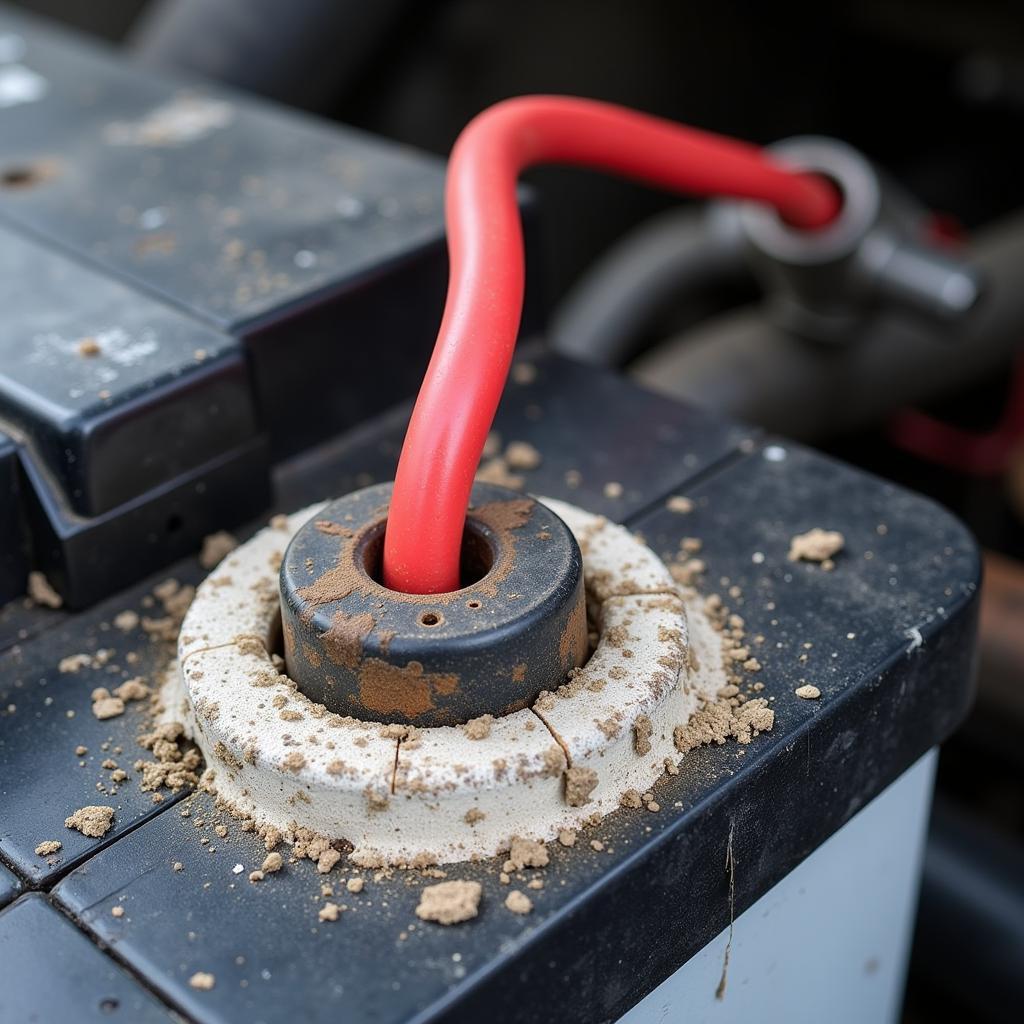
[467,371]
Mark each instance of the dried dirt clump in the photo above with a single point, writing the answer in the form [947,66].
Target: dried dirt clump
[449,902]
[41,592]
[215,548]
[721,720]
[479,728]
[526,853]
[93,820]
[518,902]
[579,784]
[172,766]
[816,545]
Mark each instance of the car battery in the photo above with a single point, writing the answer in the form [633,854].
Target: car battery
[773,878]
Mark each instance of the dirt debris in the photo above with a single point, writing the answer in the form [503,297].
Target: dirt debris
[479,728]
[327,860]
[202,980]
[522,455]
[808,692]
[126,621]
[642,730]
[566,837]
[173,766]
[449,902]
[94,820]
[518,902]
[355,885]
[526,853]
[721,720]
[329,912]
[216,547]
[107,707]
[48,847]
[816,545]
[498,471]
[132,689]
[680,505]
[579,784]
[41,592]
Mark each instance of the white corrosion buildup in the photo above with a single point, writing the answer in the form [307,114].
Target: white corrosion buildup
[440,795]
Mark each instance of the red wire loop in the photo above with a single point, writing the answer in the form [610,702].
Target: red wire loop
[464,381]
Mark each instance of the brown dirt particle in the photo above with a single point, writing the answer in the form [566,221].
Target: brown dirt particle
[449,902]
[295,761]
[518,902]
[579,784]
[132,689]
[271,863]
[329,912]
[354,885]
[526,853]
[719,721]
[524,373]
[566,837]
[202,980]
[177,866]
[327,860]
[677,503]
[816,545]
[48,847]
[479,728]
[631,798]
[613,489]
[126,621]
[473,815]
[108,707]
[117,911]
[497,471]
[521,455]
[215,548]
[41,592]
[89,347]
[808,692]
[642,730]
[94,820]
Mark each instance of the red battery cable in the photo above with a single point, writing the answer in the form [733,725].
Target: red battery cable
[467,371]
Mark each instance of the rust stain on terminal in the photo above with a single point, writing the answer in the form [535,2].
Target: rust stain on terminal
[289,638]
[335,584]
[343,642]
[386,689]
[502,516]
[332,529]
[572,645]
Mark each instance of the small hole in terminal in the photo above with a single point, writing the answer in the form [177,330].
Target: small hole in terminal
[474,604]
[431,619]
[478,554]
